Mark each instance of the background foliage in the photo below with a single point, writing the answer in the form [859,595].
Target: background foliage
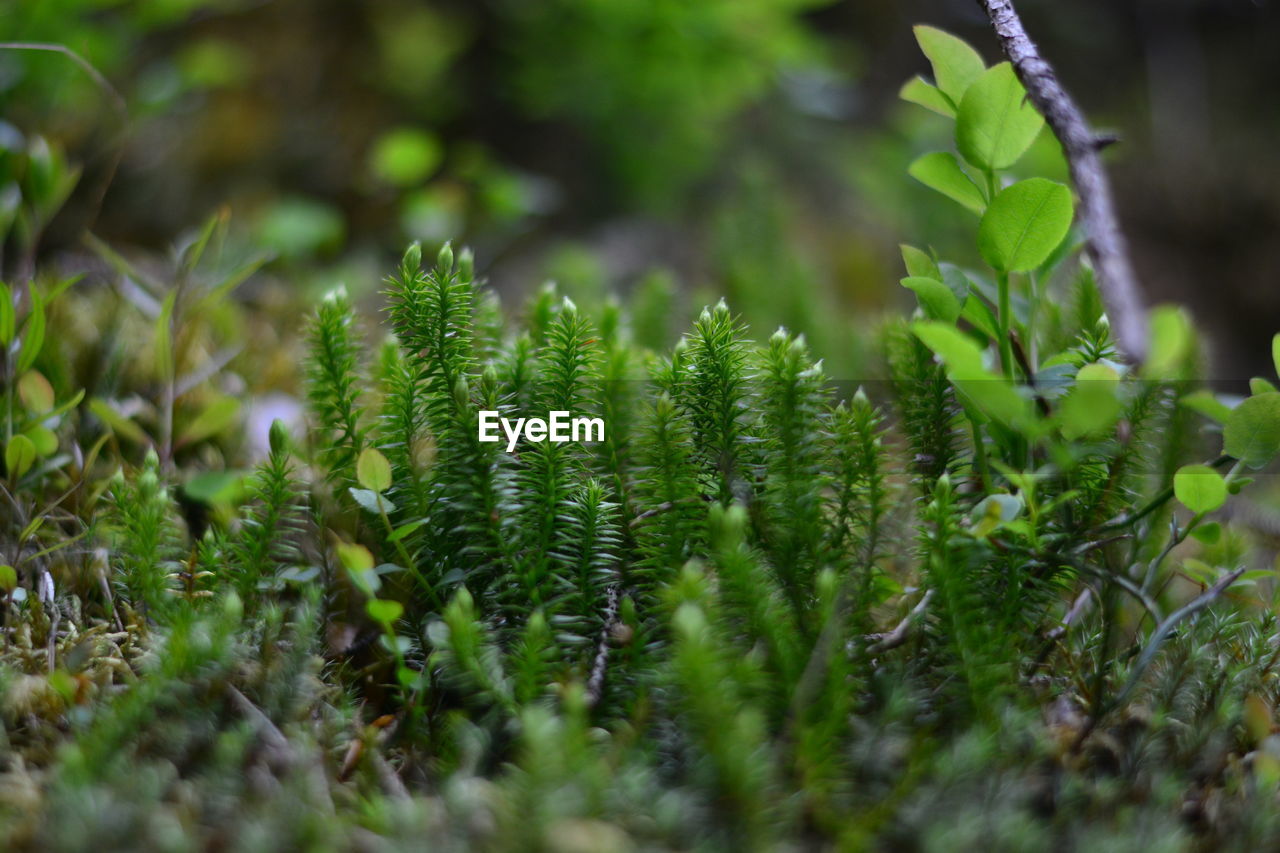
[263,588]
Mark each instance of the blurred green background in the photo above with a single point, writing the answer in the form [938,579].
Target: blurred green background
[752,148]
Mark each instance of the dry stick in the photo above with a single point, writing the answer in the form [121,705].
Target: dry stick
[1106,243]
[898,636]
[595,684]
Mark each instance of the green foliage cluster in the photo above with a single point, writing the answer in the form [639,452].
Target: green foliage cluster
[999,599]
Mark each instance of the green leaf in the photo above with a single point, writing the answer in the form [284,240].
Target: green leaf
[355,558]
[1209,534]
[373,471]
[384,610]
[405,529]
[1093,406]
[1258,385]
[1252,431]
[358,562]
[19,456]
[935,297]
[990,394]
[1172,343]
[980,315]
[1024,224]
[214,487]
[1199,488]
[919,262]
[956,65]
[995,123]
[406,157]
[372,501]
[993,512]
[1208,405]
[940,171]
[7,315]
[32,334]
[917,91]
[35,392]
[1275,353]
[117,422]
[215,418]
[8,578]
[44,439]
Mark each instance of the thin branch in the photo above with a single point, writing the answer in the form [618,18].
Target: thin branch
[1154,643]
[1082,603]
[99,79]
[1107,247]
[898,636]
[595,684]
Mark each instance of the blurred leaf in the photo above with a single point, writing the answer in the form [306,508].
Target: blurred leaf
[917,91]
[992,395]
[1093,405]
[373,471]
[1258,385]
[372,501]
[19,456]
[7,314]
[993,512]
[32,334]
[212,420]
[384,611]
[406,157]
[298,228]
[1172,343]
[44,439]
[1207,404]
[35,392]
[212,487]
[1252,431]
[1199,488]
[1209,533]
[935,297]
[118,423]
[941,171]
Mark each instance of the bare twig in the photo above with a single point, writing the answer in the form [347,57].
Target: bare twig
[898,636]
[595,684]
[1154,643]
[1078,607]
[279,751]
[1107,247]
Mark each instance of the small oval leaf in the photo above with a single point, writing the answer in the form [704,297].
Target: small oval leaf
[19,456]
[995,123]
[941,172]
[384,610]
[1252,431]
[373,471]
[956,65]
[1024,224]
[936,298]
[1199,488]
